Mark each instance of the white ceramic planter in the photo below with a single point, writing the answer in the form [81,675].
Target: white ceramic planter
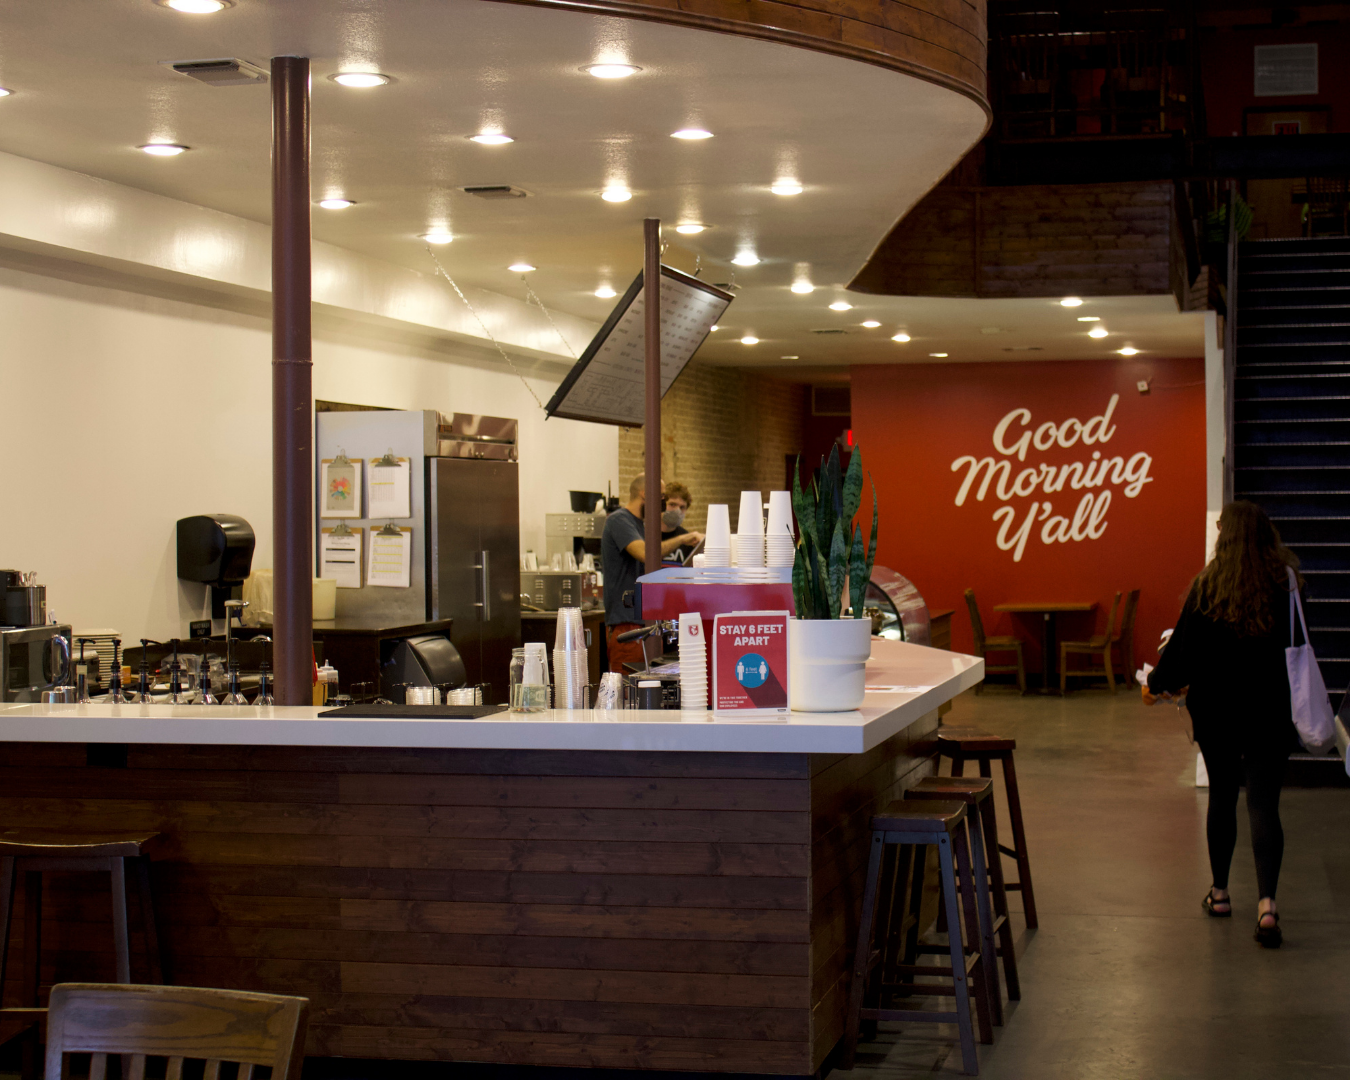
[827,662]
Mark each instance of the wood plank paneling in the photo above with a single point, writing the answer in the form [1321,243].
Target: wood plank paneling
[677,911]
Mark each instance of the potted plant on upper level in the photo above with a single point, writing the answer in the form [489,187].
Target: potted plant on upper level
[829,649]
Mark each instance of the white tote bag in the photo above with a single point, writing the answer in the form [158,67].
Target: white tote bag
[1307,692]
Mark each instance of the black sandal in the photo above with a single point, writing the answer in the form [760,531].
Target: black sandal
[1269,937]
[1208,904]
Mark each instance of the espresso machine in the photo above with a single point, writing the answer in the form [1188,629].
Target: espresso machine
[34,654]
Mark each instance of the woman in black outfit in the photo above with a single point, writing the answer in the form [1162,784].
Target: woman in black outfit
[1227,655]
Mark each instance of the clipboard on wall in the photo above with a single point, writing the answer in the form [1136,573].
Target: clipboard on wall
[390,487]
[340,551]
[390,561]
[341,486]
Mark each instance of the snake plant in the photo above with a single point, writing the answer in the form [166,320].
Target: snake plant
[831,557]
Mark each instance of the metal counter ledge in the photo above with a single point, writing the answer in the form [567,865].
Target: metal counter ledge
[911,681]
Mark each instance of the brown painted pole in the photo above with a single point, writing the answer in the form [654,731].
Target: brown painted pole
[651,299]
[292,386]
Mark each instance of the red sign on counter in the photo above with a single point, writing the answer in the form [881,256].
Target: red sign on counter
[750,662]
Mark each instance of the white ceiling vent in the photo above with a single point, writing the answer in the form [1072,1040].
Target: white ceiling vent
[830,330]
[226,72]
[496,191]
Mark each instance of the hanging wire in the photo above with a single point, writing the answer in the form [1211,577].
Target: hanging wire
[530,296]
[474,312]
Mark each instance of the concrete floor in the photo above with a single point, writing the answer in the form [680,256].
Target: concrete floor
[1126,976]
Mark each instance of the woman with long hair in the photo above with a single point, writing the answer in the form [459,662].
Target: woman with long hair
[1227,655]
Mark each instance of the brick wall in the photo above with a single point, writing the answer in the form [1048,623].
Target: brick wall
[723,431]
[1033,240]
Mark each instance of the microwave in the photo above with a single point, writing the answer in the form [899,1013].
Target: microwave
[33,659]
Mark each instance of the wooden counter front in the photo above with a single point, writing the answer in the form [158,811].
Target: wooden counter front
[682,911]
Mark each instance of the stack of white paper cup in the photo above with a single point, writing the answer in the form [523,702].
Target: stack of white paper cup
[779,545]
[570,672]
[750,530]
[717,540]
[693,663]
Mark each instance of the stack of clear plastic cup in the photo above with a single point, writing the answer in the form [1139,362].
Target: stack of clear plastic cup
[610,693]
[571,674]
[693,663]
[421,695]
[467,695]
[532,695]
[717,539]
[779,543]
[750,531]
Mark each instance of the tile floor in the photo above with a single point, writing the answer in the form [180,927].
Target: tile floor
[1126,977]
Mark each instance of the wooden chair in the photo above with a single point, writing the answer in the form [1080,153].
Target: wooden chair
[985,645]
[176,1023]
[1102,645]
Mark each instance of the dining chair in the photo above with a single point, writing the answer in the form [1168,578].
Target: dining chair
[176,1024]
[985,645]
[1103,646]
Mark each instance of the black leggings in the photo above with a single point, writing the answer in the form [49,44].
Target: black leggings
[1263,769]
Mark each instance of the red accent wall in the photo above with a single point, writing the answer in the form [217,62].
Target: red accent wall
[913,421]
[1227,64]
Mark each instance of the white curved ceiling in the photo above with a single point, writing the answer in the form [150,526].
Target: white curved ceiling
[865,142]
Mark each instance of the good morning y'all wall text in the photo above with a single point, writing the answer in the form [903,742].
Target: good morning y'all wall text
[1015,438]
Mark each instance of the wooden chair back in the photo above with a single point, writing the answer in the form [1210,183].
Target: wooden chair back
[975,624]
[177,1023]
[1126,631]
[1111,634]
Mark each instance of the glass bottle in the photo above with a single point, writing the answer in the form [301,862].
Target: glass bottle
[234,697]
[205,697]
[264,685]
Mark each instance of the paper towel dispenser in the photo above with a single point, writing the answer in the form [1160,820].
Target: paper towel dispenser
[215,550]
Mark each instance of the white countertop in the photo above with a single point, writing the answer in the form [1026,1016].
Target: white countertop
[916,679]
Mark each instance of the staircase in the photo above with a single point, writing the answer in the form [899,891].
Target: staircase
[1291,420]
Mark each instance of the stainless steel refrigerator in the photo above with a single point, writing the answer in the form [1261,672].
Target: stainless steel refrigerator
[465,519]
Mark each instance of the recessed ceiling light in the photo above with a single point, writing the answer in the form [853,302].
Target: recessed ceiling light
[616,194]
[871,324]
[746,258]
[362,80]
[1071,301]
[1089,318]
[841,305]
[438,236]
[1129,350]
[786,187]
[691,133]
[1097,332]
[162,149]
[605,292]
[749,339]
[803,287]
[4,92]
[714,328]
[789,358]
[491,138]
[336,204]
[195,7]
[611,71]
[939,355]
[901,337]
[689,228]
[520,268]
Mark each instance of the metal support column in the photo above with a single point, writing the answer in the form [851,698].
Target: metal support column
[292,386]
[651,299]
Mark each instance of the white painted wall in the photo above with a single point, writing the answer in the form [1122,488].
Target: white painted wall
[121,413]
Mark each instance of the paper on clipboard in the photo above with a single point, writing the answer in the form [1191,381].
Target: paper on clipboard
[390,488]
[340,557]
[390,557]
[341,488]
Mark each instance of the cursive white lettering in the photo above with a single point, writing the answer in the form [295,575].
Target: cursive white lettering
[1020,446]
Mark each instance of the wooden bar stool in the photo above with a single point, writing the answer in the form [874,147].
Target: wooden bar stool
[978,795]
[919,824]
[963,744]
[32,853]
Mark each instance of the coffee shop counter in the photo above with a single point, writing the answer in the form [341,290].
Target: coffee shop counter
[648,890]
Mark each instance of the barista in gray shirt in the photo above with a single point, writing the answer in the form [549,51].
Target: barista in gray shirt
[623,554]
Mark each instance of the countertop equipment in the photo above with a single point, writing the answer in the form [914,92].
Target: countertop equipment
[429,660]
[576,533]
[549,590]
[33,659]
[23,602]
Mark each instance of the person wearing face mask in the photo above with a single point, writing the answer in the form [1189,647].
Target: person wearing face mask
[678,502]
[623,556]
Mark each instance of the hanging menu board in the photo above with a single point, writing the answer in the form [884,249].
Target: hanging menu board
[607,385]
